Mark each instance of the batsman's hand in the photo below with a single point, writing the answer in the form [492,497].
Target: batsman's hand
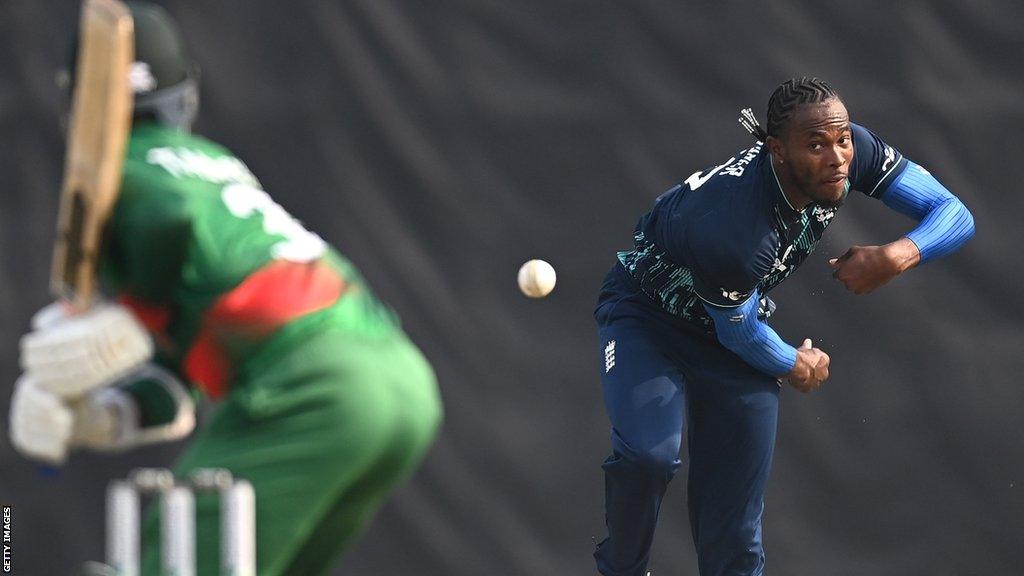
[863,269]
[71,354]
[45,426]
[811,368]
[40,423]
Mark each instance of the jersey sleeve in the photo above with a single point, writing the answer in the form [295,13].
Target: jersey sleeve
[148,241]
[944,222]
[876,165]
[740,330]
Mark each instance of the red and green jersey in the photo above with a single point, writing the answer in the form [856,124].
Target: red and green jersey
[215,267]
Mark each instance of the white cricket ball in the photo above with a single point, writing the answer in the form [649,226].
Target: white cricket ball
[536,278]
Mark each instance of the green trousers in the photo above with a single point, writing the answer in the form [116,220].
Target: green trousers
[323,432]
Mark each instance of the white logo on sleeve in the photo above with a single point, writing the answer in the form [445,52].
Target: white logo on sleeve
[609,356]
[890,157]
[734,295]
[922,170]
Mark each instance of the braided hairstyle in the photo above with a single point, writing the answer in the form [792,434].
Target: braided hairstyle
[784,101]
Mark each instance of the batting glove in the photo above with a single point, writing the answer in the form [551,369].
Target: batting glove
[40,423]
[70,354]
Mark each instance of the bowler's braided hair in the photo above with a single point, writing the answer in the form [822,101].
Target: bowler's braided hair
[784,101]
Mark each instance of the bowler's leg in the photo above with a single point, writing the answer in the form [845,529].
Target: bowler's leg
[731,439]
[643,394]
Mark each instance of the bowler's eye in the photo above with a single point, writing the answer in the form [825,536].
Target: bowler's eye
[816,146]
[844,140]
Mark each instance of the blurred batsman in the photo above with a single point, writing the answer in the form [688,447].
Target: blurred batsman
[324,403]
[683,327]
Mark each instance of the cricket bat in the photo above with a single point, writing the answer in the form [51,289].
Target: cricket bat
[100,121]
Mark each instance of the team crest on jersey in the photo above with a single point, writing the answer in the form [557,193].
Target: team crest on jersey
[609,356]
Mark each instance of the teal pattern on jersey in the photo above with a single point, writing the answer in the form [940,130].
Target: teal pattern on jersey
[670,285]
[812,224]
[667,283]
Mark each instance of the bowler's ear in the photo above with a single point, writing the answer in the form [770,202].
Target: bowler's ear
[776,147]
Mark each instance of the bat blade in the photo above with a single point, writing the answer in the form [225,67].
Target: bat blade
[100,122]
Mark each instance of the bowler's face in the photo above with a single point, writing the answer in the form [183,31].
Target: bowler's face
[819,150]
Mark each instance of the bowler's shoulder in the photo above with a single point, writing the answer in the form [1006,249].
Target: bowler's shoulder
[876,163]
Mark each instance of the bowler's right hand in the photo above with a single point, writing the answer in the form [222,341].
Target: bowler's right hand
[811,368]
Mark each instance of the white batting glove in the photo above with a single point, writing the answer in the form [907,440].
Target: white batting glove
[108,419]
[70,354]
[40,423]
[49,315]
[44,427]
[100,418]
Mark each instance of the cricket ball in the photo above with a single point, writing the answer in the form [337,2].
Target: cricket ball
[536,278]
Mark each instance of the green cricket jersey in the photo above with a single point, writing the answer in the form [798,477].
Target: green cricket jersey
[327,405]
[209,259]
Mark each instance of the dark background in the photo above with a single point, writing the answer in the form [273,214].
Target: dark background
[441,144]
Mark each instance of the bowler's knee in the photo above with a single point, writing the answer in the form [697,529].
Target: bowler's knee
[649,458]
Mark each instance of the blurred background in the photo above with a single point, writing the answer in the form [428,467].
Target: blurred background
[442,144]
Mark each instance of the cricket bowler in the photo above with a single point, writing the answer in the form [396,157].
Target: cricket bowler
[682,317]
[324,404]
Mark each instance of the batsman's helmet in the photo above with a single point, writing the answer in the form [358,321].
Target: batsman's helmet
[164,79]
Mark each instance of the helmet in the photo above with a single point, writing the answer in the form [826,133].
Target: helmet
[163,77]
[164,80]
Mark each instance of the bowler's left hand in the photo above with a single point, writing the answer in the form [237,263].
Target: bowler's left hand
[862,269]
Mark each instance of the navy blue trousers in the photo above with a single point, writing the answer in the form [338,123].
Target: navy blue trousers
[661,377]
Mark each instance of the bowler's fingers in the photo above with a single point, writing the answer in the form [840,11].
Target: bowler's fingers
[822,374]
[835,262]
[821,371]
[812,384]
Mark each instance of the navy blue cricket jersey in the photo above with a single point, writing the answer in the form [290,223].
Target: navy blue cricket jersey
[729,230]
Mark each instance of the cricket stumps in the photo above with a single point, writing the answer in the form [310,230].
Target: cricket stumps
[177,522]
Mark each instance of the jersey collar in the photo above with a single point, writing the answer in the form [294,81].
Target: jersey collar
[783,207]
